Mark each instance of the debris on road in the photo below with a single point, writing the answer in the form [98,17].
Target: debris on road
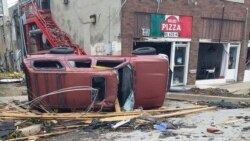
[6,127]
[223,104]
[214,130]
[161,127]
[246,129]
[11,77]
[118,124]
[215,92]
[30,124]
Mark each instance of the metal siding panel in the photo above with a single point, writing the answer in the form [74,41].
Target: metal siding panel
[142,20]
[217,29]
[231,30]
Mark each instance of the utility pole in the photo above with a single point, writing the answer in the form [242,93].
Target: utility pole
[23,44]
[3,24]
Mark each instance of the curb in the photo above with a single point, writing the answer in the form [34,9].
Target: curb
[205,98]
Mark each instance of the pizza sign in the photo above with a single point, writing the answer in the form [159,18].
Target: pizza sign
[176,26]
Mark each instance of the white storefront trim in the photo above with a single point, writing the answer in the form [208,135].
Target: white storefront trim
[210,82]
[228,72]
[247,76]
[162,39]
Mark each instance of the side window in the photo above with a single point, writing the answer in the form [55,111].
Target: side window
[108,63]
[80,63]
[51,64]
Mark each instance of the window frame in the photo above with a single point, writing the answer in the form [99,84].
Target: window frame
[48,69]
[79,60]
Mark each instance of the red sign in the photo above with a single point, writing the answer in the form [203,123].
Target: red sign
[177,26]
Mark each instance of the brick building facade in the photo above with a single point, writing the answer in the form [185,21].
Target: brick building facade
[206,40]
[214,23]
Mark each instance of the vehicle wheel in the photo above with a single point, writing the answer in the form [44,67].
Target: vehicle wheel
[61,50]
[144,51]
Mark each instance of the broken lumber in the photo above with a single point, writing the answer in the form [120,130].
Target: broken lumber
[117,106]
[68,127]
[120,118]
[183,112]
[84,116]
[233,121]
[17,107]
[39,136]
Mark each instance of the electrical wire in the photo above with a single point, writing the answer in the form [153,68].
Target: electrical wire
[33,103]
[58,92]
[158,5]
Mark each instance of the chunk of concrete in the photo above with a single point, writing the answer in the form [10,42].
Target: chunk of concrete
[31,130]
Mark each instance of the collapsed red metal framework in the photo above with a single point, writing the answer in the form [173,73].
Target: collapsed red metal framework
[42,33]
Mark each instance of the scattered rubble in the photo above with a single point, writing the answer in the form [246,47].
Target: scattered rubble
[30,124]
[215,92]
[12,89]
[214,130]
[6,127]
[223,104]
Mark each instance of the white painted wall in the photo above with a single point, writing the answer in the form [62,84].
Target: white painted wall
[247,76]
[73,18]
[4,8]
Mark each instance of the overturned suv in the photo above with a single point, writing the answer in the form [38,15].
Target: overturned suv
[63,80]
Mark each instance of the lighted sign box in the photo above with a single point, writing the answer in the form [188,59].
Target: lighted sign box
[171,26]
[239,1]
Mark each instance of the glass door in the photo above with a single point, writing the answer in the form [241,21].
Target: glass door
[179,63]
[233,60]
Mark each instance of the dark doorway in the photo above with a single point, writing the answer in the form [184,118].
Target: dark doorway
[210,61]
[248,59]
[161,47]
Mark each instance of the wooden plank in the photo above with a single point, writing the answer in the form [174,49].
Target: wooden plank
[68,127]
[184,112]
[87,116]
[17,107]
[117,106]
[39,136]
[120,118]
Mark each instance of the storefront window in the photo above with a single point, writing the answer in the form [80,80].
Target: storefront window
[179,67]
[180,55]
[211,60]
[248,60]
[232,58]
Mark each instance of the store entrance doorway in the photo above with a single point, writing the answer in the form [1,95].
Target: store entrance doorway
[178,54]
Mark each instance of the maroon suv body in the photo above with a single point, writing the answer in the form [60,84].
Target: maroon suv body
[145,76]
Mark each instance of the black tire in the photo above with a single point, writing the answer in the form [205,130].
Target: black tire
[144,51]
[61,50]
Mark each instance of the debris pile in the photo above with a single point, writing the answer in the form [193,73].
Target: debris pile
[26,124]
[215,92]
[224,104]
[11,77]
